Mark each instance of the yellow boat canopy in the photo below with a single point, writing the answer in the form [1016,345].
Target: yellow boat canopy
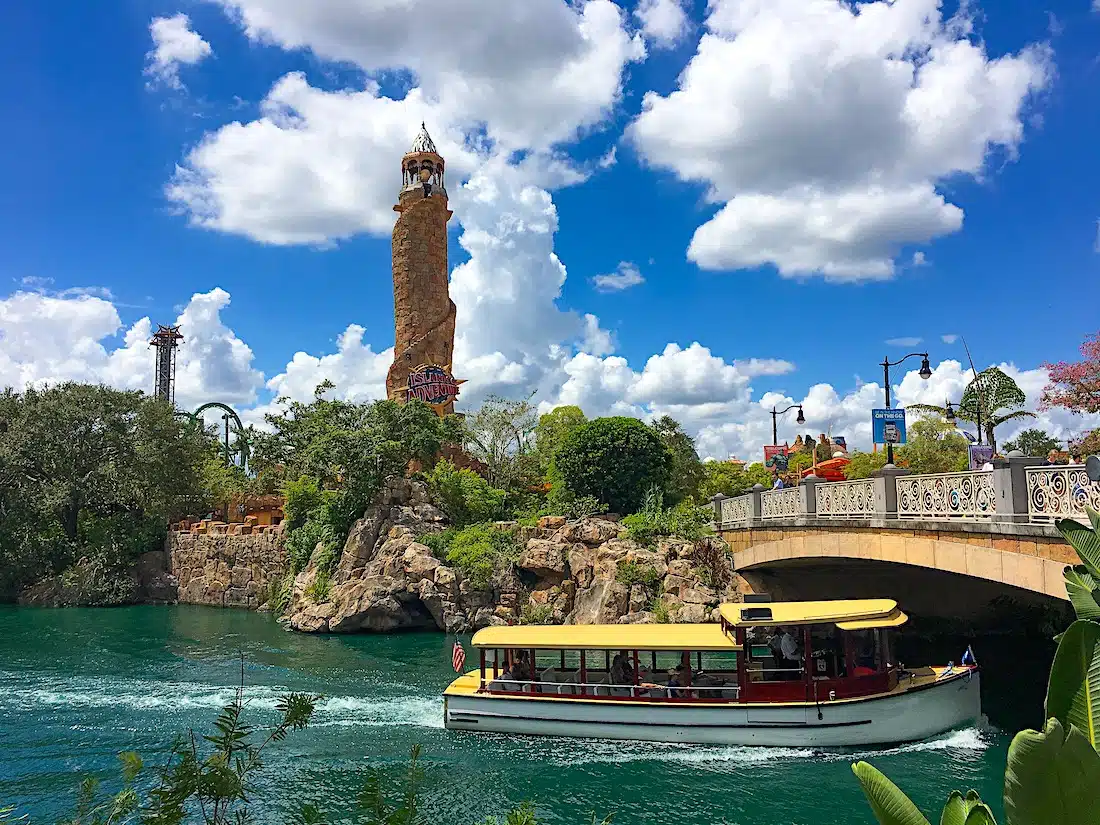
[607,637]
[895,619]
[848,614]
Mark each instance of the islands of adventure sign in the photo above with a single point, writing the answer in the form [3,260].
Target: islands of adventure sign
[433,385]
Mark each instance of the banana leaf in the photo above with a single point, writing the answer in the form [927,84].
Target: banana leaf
[959,810]
[1082,591]
[1073,692]
[980,816]
[1052,778]
[889,805]
[1085,540]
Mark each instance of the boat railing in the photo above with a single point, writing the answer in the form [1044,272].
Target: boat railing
[604,690]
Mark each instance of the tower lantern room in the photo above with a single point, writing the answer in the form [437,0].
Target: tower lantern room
[423,166]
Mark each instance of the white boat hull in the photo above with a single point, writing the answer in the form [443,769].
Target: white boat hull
[905,716]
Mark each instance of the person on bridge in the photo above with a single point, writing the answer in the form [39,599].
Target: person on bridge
[779,485]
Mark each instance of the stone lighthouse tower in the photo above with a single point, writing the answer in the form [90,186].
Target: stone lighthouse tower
[424,314]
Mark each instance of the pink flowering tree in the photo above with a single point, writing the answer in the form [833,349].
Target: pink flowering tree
[1075,385]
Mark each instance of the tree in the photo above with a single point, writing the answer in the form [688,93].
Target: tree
[723,477]
[90,471]
[862,465]
[686,470]
[1088,444]
[552,429]
[347,449]
[934,446]
[1033,442]
[82,448]
[500,435]
[797,462]
[616,460]
[1075,385]
[984,398]
[758,474]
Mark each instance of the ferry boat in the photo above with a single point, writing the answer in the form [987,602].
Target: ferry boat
[746,680]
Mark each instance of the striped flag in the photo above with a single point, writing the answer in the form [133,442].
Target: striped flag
[458,657]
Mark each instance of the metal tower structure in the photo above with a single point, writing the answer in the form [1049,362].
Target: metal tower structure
[166,340]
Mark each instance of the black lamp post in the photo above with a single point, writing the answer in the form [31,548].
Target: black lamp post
[801,419]
[925,373]
[950,416]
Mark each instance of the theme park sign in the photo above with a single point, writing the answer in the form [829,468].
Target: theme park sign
[433,385]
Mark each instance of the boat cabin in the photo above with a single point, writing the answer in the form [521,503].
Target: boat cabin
[764,652]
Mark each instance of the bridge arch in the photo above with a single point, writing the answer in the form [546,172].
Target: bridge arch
[1014,555]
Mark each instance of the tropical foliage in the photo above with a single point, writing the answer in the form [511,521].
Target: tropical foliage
[992,398]
[1052,776]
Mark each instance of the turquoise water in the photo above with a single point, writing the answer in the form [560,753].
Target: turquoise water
[78,686]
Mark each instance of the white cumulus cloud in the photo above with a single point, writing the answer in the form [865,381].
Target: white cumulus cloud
[665,22]
[625,276]
[823,129]
[175,44]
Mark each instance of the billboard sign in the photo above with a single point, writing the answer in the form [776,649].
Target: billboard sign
[888,426]
[979,455]
[775,457]
[433,385]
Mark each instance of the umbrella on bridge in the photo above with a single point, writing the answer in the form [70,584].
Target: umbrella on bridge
[831,470]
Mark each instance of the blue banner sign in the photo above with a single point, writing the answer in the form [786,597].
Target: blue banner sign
[888,426]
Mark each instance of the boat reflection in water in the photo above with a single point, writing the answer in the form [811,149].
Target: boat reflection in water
[747,680]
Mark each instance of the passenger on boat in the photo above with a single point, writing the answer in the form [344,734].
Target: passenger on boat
[622,669]
[681,677]
[792,659]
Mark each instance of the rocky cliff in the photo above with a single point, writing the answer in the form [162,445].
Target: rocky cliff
[577,572]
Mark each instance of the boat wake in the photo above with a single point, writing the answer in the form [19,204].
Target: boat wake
[179,698]
[571,752]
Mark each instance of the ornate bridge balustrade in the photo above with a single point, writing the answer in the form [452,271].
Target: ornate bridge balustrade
[1016,491]
[1060,492]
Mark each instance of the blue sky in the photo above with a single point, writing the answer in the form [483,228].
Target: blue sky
[99,126]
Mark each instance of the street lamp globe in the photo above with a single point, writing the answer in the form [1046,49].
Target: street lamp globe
[925,369]
[950,416]
[801,419]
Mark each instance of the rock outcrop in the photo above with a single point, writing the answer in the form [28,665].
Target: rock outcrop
[567,572]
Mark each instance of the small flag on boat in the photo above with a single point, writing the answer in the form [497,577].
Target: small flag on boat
[968,657]
[458,657]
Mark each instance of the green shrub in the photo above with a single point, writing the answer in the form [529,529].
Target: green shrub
[659,610]
[536,614]
[631,573]
[281,593]
[439,543]
[614,460]
[464,496]
[321,587]
[480,550]
[302,497]
[301,543]
[686,521]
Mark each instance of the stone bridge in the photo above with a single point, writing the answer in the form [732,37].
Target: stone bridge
[947,541]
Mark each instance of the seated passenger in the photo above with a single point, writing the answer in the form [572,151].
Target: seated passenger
[622,669]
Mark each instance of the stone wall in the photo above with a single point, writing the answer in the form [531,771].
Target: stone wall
[215,567]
